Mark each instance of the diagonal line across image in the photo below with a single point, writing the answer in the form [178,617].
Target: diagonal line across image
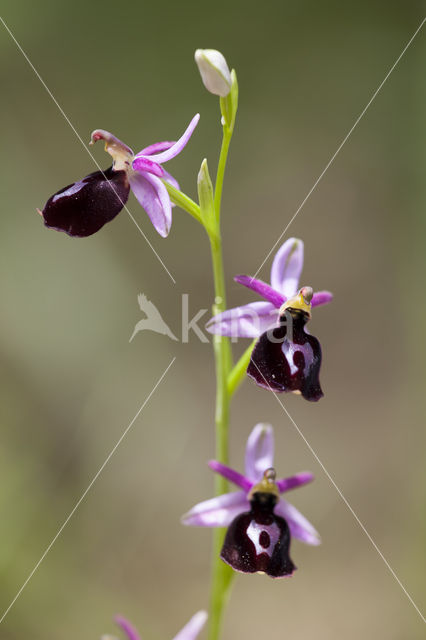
[341,495]
[339,148]
[86,148]
[86,491]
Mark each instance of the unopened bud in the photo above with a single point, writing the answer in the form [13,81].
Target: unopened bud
[214,71]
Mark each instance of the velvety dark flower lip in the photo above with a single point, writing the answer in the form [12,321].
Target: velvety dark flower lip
[286,358]
[84,207]
[189,632]
[258,541]
[236,509]
[253,319]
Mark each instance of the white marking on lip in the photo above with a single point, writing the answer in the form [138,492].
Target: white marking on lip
[254,531]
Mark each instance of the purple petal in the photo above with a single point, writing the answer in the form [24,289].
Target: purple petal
[169,178]
[247,321]
[128,629]
[153,196]
[287,267]
[178,146]
[263,289]
[321,297]
[259,451]
[285,484]
[299,527]
[193,628]
[143,164]
[157,147]
[217,512]
[232,475]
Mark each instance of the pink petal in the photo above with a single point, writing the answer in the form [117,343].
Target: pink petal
[287,267]
[157,147]
[299,527]
[217,512]
[128,629]
[259,451]
[247,321]
[170,179]
[193,628]
[285,484]
[178,146]
[231,475]
[263,289]
[321,297]
[143,164]
[153,197]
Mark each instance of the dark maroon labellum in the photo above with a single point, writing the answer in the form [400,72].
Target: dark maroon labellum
[259,540]
[287,358]
[82,208]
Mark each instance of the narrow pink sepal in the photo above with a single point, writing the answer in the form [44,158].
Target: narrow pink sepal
[298,480]
[173,151]
[157,147]
[193,627]
[231,475]
[263,289]
[321,297]
[128,628]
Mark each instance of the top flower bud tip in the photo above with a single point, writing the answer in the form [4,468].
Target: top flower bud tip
[214,71]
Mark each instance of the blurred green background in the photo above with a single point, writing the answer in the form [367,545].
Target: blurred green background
[71,382]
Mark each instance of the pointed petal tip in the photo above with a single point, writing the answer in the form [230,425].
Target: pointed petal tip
[127,627]
[321,297]
[192,628]
[264,290]
[298,480]
[259,451]
[179,145]
[230,474]
[287,267]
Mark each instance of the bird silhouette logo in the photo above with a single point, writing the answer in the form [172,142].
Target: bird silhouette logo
[153,320]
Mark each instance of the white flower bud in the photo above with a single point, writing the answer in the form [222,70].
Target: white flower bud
[214,71]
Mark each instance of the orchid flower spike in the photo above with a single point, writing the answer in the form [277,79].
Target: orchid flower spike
[285,357]
[82,208]
[260,522]
[189,632]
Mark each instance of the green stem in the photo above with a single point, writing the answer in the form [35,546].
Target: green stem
[222,574]
[183,201]
[238,372]
[226,140]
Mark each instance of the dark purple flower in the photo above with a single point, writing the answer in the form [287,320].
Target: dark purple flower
[286,357]
[256,508]
[189,632]
[83,207]
[258,541]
